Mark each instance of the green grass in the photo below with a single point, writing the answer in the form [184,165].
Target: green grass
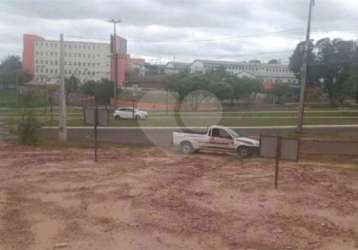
[7,98]
[234,118]
[231,122]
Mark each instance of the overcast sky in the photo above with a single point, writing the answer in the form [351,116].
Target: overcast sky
[184,29]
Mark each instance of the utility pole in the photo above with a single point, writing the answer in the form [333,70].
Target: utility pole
[17,89]
[63,115]
[301,108]
[115,55]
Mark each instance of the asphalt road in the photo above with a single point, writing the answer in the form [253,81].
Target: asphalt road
[162,137]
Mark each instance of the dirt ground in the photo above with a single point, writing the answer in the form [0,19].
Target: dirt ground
[141,198]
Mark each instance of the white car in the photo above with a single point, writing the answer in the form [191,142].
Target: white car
[130,113]
[216,138]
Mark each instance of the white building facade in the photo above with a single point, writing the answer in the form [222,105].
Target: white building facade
[83,60]
[274,73]
[173,68]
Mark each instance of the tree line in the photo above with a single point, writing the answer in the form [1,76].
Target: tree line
[11,73]
[332,66]
[225,86]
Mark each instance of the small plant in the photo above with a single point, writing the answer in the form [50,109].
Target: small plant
[28,130]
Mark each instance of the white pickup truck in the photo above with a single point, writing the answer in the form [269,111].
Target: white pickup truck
[215,138]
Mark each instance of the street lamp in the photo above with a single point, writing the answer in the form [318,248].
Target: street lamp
[115,54]
[134,95]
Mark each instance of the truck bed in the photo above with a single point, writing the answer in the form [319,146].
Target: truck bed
[195,132]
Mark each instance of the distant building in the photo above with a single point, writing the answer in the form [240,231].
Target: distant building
[268,73]
[136,65]
[173,68]
[84,60]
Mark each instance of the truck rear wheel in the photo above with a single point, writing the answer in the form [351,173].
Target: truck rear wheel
[186,148]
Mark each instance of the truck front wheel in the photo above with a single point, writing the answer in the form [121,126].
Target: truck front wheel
[186,148]
[243,151]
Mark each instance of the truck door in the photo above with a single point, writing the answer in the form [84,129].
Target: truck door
[221,139]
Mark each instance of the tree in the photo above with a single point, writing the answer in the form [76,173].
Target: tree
[255,61]
[153,69]
[351,84]
[296,61]
[71,85]
[243,87]
[222,90]
[88,88]
[330,61]
[11,63]
[216,74]
[273,61]
[334,59]
[281,92]
[104,92]
[11,71]
[184,84]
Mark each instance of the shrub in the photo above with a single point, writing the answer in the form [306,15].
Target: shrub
[28,130]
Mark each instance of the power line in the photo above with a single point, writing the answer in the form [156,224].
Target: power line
[228,38]
[292,31]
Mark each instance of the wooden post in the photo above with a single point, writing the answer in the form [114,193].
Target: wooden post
[278,156]
[51,109]
[133,108]
[95,132]
[63,112]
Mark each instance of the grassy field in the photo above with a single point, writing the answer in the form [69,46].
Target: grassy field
[238,118]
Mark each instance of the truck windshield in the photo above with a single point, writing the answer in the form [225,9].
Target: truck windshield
[234,134]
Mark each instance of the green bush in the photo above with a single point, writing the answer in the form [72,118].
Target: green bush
[28,130]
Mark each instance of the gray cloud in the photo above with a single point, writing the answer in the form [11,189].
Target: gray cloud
[187,29]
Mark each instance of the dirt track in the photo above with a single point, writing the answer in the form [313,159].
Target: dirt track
[145,199]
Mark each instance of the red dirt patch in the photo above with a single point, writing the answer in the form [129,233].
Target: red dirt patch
[143,199]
